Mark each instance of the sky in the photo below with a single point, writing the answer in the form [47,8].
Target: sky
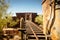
[16,6]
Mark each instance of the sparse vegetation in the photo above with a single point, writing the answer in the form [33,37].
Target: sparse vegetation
[39,19]
[4,16]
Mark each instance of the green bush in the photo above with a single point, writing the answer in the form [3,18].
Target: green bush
[39,19]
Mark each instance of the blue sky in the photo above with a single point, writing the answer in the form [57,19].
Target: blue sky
[25,6]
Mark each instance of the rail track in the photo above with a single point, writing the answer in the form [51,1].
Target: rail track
[34,32]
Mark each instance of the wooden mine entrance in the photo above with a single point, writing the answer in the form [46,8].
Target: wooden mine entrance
[31,30]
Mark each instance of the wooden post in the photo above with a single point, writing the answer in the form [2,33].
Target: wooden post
[25,17]
[21,33]
[21,28]
[30,17]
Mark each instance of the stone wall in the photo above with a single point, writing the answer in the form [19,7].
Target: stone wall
[46,14]
[51,18]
